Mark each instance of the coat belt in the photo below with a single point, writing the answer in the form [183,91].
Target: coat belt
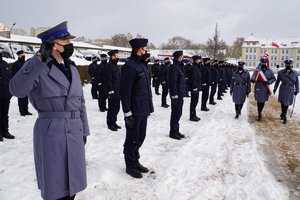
[286,84]
[64,114]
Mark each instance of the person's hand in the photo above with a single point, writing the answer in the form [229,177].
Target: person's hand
[295,93]
[274,91]
[84,140]
[247,94]
[45,51]
[129,121]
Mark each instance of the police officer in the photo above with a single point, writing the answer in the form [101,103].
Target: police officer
[289,88]
[177,92]
[101,85]
[136,98]
[22,102]
[164,78]
[214,82]
[186,68]
[5,97]
[222,78]
[206,81]
[155,76]
[240,87]
[262,78]
[53,85]
[195,85]
[112,85]
[94,72]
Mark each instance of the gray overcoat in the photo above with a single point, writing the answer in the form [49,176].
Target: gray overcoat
[289,85]
[260,91]
[58,132]
[240,85]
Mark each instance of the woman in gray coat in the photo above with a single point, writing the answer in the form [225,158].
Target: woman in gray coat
[262,78]
[54,88]
[240,87]
[289,88]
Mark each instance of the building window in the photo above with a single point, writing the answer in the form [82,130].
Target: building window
[282,51]
[254,57]
[298,51]
[298,57]
[271,57]
[246,50]
[276,51]
[250,50]
[271,64]
[254,50]
[275,57]
[254,63]
[246,57]
[286,51]
[286,57]
[282,58]
[250,57]
[271,50]
[297,65]
[246,63]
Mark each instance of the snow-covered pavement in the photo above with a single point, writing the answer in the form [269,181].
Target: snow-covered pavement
[218,159]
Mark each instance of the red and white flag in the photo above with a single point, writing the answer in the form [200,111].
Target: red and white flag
[275,45]
[261,76]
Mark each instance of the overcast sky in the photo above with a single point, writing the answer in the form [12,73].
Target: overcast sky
[159,20]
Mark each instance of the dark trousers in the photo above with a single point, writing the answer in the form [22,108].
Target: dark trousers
[176,112]
[23,105]
[67,198]
[204,98]
[94,90]
[260,107]
[194,102]
[113,110]
[238,108]
[212,93]
[134,140]
[164,95]
[102,98]
[284,109]
[4,108]
[220,90]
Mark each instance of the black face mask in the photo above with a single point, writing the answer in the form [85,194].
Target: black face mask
[104,61]
[95,61]
[288,67]
[22,58]
[68,51]
[264,67]
[240,68]
[115,61]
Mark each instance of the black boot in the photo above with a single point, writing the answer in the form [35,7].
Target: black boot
[117,126]
[7,135]
[284,119]
[174,135]
[180,135]
[237,112]
[259,116]
[1,137]
[113,128]
[134,173]
[194,119]
[141,168]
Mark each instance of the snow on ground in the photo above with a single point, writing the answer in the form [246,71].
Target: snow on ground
[218,159]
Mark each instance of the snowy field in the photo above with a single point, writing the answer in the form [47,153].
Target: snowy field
[218,160]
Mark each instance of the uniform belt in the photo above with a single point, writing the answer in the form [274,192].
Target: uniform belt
[286,84]
[240,83]
[67,114]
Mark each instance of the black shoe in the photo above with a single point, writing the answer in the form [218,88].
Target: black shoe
[23,114]
[284,120]
[219,98]
[28,113]
[8,136]
[157,93]
[175,136]
[212,103]
[236,116]
[259,117]
[194,119]
[106,109]
[165,106]
[102,110]
[117,126]
[204,109]
[134,173]
[142,169]
[198,118]
[113,128]
[1,138]
[281,116]
[180,135]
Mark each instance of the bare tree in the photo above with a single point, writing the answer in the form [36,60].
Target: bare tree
[178,42]
[215,48]
[236,50]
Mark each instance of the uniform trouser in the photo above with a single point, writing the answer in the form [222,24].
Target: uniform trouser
[284,109]
[260,107]
[176,112]
[212,93]
[194,102]
[4,108]
[113,110]
[67,198]
[102,98]
[204,98]
[94,90]
[23,105]
[164,94]
[220,90]
[134,140]
[238,108]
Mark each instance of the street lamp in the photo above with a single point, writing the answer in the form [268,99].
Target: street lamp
[11,29]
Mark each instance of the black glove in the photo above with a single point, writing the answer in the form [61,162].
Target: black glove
[295,93]
[247,94]
[45,50]
[195,91]
[274,91]
[230,92]
[129,121]
[266,83]
[174,101]
[253,81]
[84,140]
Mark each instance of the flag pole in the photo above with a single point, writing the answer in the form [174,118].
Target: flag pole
[293,106]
